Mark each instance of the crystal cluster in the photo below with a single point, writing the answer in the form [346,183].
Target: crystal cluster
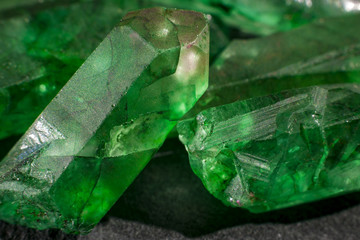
[94,98]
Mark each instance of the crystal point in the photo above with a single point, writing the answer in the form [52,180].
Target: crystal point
[104,125]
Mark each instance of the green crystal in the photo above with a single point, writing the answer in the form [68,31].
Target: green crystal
[279,150]
[40,51]
[264,17]
[102,128]
[309,55]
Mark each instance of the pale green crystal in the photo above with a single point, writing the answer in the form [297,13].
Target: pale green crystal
[324,52]
[41,50]
[279,150]
[99,132]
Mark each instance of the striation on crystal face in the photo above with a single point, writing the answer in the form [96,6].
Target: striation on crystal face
[307,56]
[279,150]
[104,125]
[41,50]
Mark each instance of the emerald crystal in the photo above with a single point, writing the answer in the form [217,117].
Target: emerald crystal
[104,125]
[41,50]
[279,150]
[264,17]
[306,56]
[269,16]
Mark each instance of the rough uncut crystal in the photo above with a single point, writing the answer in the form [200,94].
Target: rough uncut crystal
[309,55]
[280,150]
[102,128]
[220,31]
[41,50]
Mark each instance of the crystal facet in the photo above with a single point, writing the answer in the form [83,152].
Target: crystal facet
[41,50]
[102,128]
[269,16]
[309,55]
[280,150]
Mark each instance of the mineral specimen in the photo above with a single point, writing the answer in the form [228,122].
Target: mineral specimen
[104,125]
[280,150]
[310,55]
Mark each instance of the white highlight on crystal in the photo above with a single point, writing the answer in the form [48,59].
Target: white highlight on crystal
[350,6]
[187,64]
[164,32]
[40,133]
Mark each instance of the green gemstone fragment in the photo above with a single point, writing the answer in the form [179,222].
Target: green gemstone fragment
[219,29]
[307,56]
[269,16]
[41,50]
[102,128]
[280,150]
[264,17]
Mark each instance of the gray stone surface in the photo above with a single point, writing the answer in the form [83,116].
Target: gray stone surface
[167,201]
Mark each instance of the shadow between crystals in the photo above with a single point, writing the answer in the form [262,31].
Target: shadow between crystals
[167,194]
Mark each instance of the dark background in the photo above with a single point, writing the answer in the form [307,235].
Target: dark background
[167,201]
